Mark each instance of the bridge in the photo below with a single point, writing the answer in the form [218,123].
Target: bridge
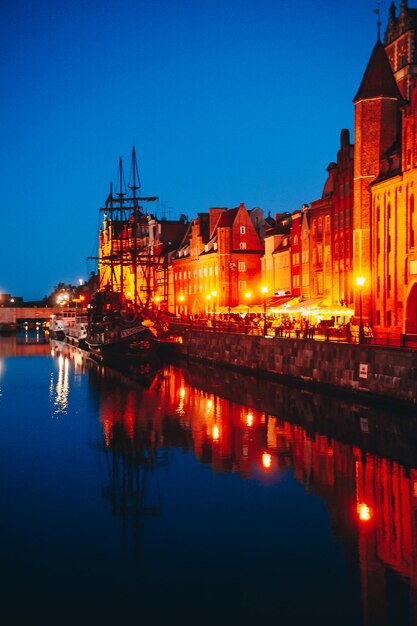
[16,315]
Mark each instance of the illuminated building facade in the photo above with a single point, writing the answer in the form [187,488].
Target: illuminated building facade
[218,262]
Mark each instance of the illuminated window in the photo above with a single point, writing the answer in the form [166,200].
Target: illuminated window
[320,253]
[242,245]
[320,282]
[242,230]
[242,266]
[242,285]
[412,241]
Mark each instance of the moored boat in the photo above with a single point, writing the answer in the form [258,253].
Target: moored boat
[121,316]
[59,323]
[118,335]
[76,332]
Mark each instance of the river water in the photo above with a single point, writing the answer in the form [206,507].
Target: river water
[198,496]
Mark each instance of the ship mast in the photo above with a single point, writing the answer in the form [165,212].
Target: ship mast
[135,186]
[122,231]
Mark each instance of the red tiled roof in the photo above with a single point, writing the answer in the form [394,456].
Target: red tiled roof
[227,218]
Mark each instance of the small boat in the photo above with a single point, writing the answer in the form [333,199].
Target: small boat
[76,332]
[59,324]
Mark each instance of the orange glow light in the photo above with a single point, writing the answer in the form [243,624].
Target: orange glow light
[216,432]
[249,419]
[364,512]
[266,460]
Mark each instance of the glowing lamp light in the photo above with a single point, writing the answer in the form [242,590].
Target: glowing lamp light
[216,432]
[249,419]
[364,512]
[266,460]
[360,281]
[182,392]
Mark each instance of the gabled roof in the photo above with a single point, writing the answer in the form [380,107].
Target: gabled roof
[227,218]
[378,80]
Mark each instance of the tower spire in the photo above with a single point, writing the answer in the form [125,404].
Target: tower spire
[378,24]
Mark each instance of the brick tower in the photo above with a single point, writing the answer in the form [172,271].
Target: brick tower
[376,128]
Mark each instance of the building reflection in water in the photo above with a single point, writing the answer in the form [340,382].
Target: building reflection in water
[345,454]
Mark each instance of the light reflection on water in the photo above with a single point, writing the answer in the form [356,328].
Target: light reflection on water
[307,511]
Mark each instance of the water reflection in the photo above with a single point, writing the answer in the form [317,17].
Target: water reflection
[360,461]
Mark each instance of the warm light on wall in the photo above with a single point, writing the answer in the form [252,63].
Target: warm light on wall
[364,512]
[249,419]
[360,281]
[266,460]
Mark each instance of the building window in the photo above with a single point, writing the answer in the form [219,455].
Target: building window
[242,285]
[242,230]
[296,280]
[327,253]
[320,225]
[327,223]
[378,317]
[295,240]
[388,318]
[328,284]
[314,227]
[320,282]
[205,271]
[242,266]
[320,253]
[347,218]
[412,241]
[242,245]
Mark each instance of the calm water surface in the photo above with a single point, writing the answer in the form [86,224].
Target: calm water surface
[201,497]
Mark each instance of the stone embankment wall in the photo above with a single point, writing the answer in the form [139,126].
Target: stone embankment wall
[359,369]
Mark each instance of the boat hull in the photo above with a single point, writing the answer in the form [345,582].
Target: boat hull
[128,344]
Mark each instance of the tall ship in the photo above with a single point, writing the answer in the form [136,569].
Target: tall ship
[123,314]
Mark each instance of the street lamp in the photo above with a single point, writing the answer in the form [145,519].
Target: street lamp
[264,290]
[248,296]
[360,281]
[214,294]
[181,299]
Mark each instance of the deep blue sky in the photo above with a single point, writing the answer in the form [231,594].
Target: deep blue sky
[226,101]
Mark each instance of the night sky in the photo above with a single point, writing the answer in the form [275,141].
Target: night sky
[226,101]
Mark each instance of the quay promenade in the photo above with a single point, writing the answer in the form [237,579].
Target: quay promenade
[374,372]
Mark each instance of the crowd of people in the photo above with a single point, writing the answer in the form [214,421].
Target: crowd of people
[283,326]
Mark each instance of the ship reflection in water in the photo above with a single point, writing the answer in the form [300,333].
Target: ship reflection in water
[241,501]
